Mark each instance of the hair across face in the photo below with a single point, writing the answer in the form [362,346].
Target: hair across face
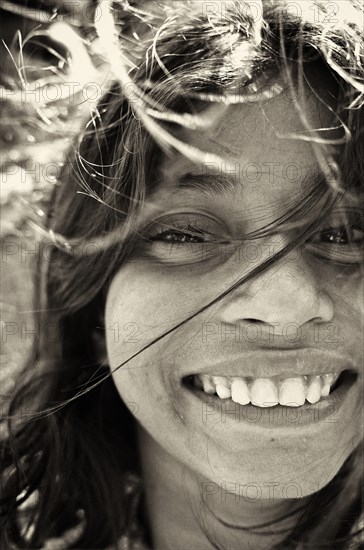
[195,243]
[223,152]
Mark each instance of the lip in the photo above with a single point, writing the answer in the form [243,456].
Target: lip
[285,363]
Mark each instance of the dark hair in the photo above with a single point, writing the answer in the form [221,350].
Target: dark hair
[173,59]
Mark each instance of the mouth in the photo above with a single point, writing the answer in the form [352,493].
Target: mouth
[286,391]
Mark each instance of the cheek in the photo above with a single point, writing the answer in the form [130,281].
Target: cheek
[347,292]
[140,307]
[144,303]
[137,307]
[347,287]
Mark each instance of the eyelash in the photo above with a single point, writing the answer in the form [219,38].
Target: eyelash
[339,230]
[338,244]
[190,230]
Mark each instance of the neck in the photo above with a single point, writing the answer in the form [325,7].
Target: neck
[187,511]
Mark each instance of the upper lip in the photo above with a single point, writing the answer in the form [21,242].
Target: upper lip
[285,363]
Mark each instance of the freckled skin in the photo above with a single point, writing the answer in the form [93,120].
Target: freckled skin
[299,289]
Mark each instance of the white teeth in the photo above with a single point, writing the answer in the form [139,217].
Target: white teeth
[208,385]
[314,389]
[327,381]
[264,393]
[240,391]
[222,387]
[292,392]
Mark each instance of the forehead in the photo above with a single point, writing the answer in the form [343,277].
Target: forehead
[262,140]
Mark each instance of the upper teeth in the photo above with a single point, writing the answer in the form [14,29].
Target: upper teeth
[268,392]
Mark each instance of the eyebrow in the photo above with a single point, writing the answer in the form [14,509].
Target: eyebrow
[222,183]
[208,181]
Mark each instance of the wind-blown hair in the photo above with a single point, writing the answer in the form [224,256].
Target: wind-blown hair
[174,64]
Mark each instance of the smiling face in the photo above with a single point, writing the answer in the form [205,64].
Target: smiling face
[276,336]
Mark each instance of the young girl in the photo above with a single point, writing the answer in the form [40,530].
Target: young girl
[201,267]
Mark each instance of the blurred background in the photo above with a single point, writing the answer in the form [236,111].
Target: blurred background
[47,57]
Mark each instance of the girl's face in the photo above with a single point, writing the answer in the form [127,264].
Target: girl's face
[272,340]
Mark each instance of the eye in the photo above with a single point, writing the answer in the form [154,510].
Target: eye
[341,235]
[190,235]
[342,241]
[183,238]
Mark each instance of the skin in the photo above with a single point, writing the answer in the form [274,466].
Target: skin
[186,453]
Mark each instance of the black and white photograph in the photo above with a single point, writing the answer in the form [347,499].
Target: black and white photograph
[182,268]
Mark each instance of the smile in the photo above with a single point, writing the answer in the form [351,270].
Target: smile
[270,402]
[268,392]
[288,378]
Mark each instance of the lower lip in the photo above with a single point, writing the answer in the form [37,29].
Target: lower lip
[226,410]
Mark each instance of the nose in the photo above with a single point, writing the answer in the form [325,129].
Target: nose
[288,292]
